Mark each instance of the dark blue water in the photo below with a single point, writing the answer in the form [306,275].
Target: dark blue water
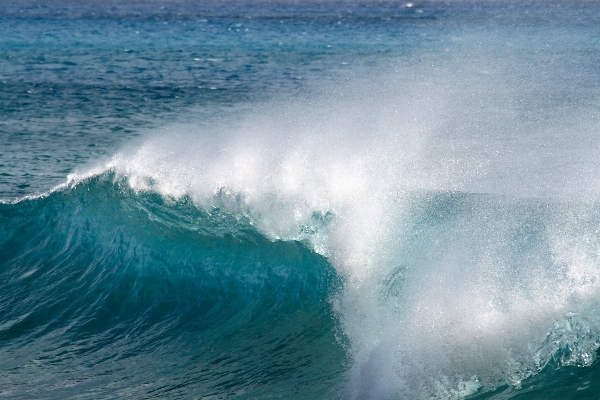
[320,200]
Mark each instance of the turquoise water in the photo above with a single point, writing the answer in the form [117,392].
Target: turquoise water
[362,200]
[133,297]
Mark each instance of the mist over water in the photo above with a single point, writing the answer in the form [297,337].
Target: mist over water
[455,200]
[449,182]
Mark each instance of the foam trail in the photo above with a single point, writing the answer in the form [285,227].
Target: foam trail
[445,292]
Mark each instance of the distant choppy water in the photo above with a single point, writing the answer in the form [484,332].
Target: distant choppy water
[360,200]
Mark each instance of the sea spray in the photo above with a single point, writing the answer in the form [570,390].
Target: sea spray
[446,291]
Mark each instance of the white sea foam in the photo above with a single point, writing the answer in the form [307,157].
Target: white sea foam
[439,299]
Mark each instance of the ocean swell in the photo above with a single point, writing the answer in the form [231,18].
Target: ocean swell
[108,292]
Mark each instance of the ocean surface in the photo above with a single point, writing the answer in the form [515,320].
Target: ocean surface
[301,200]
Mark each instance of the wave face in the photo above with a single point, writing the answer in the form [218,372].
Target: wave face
[108,293]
